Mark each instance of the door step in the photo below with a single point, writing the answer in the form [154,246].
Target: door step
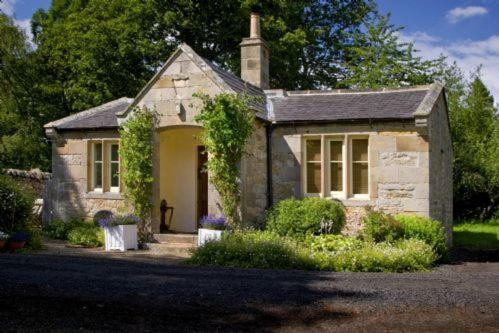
[179,245]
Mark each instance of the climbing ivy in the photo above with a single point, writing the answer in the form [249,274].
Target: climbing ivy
[227,125]
[136,157]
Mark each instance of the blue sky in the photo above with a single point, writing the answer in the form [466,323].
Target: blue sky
[466,31]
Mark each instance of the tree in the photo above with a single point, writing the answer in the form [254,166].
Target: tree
[475,136]
[21,136]
[378,58]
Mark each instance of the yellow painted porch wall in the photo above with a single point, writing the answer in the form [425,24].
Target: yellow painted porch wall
[178,175]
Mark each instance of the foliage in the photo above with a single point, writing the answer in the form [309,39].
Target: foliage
[16,205]
[477,234]
[253,249]
[87,235]
[475,137]
[22,144]
[402,256]
[378,58]
[35,240]
[213,222]
[227,125]
[59,229]
[299,218]
[136,156]
[380,227]
[334,243]
[4,236]
[426,229]
[117,220]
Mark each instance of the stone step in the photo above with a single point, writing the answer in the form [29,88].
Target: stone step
[177,238]
[175,249]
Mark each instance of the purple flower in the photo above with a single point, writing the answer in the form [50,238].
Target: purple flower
[211,221]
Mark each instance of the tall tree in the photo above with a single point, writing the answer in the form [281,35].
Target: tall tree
[21,138]
[378,58]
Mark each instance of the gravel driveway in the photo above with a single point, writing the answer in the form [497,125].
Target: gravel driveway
[44,292]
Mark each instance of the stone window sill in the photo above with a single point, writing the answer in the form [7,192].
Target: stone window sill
[104,195]
[357,202]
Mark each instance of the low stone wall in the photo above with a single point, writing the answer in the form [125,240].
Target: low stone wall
[35,180]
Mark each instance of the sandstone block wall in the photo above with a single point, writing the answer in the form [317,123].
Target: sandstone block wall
[398,164]
[66,194]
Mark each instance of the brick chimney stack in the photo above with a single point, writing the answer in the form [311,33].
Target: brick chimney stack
[255,56]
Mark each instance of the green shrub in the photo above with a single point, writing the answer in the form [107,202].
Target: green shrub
[334,243]
[254,249]
[16,205]
[401,256]
[299,218]
[35,241]
[87,235]
[59,229]
[380,227]
[425,229]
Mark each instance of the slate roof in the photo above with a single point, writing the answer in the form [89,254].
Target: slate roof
[344,105]
[100,117]
[240,86]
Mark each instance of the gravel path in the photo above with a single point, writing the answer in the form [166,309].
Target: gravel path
[92,292]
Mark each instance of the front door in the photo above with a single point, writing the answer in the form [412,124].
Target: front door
[202,180]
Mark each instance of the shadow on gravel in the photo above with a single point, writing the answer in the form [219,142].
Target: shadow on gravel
[46,292]
[459,255]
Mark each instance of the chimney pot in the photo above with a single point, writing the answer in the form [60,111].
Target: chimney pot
[255,25]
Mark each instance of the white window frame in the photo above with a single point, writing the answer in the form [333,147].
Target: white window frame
[305,166]
[94,187]
[347,166]
[350,163]
[343,193]
[114,189]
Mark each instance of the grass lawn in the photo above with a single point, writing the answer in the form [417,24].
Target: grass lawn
[483,235]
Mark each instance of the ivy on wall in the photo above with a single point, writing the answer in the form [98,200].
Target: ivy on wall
[227,125]
[136,157]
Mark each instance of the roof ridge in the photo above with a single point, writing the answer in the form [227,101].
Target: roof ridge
[356,91]
[88,112]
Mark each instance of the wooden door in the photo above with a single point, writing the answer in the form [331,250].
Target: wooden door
[202,180]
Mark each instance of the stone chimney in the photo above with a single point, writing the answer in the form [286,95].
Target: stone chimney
[255,56]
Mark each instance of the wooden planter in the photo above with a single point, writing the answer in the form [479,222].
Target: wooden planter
[121,237]
[208,235]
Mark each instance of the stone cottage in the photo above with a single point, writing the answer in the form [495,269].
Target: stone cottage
[387,149]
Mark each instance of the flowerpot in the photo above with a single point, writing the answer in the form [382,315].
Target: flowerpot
[208,235]
[121,237]
[16,245]
[2,243]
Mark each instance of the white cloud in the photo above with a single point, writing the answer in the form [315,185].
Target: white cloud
[26,26]
[461,13]
[468,54]
[7,7]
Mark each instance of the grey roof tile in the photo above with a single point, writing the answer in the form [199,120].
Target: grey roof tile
[347,105]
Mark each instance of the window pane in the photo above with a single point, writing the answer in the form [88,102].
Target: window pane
[114,153]
[336,177]
[97,175]
[98,152]
[336,150]
[359,150]
[115,179]
[313,177]
[360,178]
[313,150]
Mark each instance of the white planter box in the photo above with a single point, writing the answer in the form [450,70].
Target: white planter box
[121,237]
[208,235]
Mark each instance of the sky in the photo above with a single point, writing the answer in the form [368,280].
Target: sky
[466,31]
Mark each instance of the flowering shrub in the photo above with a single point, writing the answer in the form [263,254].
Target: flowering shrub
[3,236]
[16,205]
[213,222]
[117,220]
[334,243]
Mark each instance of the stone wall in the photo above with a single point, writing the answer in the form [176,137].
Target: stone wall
[441,156]
[67,194]
[33,180]
[254,177]
[398,162]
